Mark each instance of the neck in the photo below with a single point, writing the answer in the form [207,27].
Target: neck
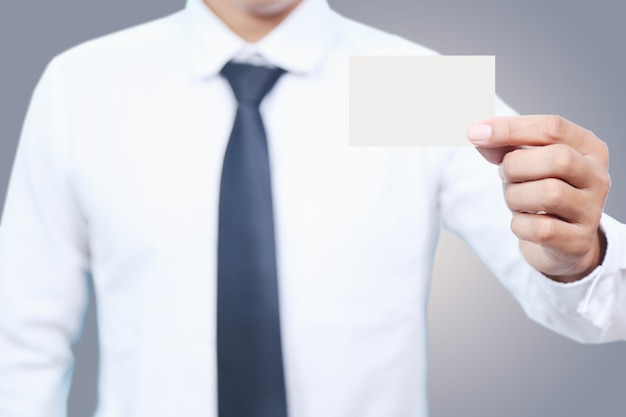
[250,22]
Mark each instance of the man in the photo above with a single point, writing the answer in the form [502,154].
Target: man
[119,171]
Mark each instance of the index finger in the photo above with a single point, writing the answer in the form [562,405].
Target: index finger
[534,130]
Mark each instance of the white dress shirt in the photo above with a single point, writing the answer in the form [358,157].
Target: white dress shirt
[118,172]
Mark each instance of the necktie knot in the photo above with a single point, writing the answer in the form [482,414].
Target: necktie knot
[250,83]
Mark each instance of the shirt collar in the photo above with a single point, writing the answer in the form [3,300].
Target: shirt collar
[297,45]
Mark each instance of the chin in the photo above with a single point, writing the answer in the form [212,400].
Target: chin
[266,7]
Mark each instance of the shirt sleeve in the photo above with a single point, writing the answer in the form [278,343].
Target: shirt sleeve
[590,310]
[43,262]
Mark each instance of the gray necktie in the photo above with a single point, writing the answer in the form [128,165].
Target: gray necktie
[250,366]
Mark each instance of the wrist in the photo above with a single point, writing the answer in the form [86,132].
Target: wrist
[588,262]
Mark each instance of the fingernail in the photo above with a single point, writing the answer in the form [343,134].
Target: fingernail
[479,133]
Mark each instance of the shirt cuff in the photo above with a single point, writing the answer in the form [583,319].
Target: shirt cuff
[594,296]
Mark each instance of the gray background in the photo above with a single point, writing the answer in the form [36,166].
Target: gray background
[559,56]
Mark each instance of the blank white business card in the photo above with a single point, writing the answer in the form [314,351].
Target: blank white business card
[419,100]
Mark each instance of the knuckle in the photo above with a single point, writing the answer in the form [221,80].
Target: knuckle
[592,210]
[563,158]
[595,215]
[600,183]
[544,229]
[604,182]
[600,148]
[537,228]
[553,194]
[555,127]
[511,130]
[603,151]
[607,183]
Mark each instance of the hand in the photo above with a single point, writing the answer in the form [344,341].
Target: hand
[556,180]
